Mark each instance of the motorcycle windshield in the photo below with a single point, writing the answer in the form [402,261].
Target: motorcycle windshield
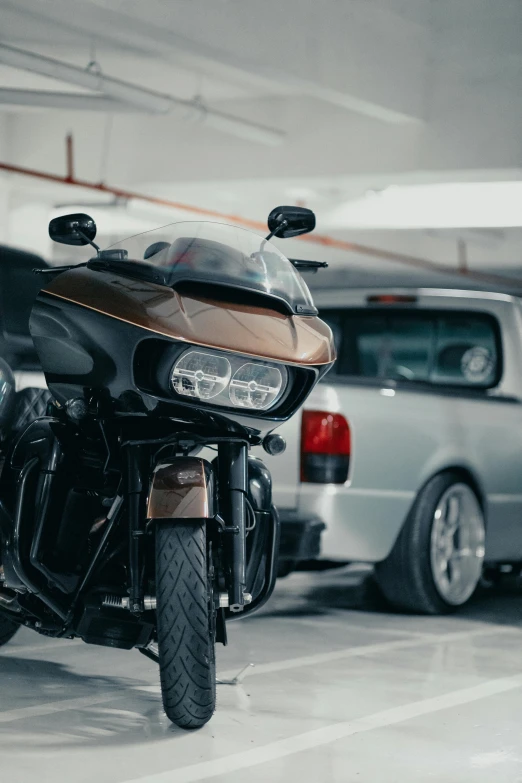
[219,254]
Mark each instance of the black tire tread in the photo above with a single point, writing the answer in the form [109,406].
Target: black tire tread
[405,576]
[7,630]
[186,651]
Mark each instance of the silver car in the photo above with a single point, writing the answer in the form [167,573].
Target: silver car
[411,449]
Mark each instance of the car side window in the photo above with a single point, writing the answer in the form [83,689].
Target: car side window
[432,347]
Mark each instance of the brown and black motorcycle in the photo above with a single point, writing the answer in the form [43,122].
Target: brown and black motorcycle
[114,528]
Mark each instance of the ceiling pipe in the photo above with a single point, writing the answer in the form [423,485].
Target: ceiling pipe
[318,239]
[62,100]
[139,98]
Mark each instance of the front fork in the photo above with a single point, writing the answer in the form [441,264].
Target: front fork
[184,488]
[233,488]
[233,485]
[135,496]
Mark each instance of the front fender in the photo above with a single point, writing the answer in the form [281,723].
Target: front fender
[183,488]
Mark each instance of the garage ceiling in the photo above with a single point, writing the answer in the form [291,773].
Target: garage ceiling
[365,94]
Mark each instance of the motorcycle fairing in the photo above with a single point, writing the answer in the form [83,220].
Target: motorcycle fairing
[198,319]
[126,359]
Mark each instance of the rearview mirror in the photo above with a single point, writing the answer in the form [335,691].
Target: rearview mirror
[285,222]
[76,229]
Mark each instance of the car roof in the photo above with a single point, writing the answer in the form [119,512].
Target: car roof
[357,297]
[500,281]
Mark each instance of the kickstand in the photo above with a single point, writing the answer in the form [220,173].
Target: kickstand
[150,651]
[238,679]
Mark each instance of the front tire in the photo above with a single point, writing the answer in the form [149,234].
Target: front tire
[436,562]
[7,629]
[185,622]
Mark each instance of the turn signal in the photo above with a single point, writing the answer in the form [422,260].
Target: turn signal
[325,447]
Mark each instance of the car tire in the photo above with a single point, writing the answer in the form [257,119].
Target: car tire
[436,562]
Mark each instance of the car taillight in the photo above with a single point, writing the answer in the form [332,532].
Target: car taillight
[325,447]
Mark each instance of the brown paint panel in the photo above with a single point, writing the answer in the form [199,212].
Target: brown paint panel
[255,331]
[179,491]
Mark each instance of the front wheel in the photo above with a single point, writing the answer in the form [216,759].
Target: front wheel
[436,563]
[185,622]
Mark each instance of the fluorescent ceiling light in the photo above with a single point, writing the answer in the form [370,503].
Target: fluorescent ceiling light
[446,205]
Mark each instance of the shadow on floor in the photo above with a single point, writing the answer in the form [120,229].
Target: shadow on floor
[354,589]
[500,605]
[130,711]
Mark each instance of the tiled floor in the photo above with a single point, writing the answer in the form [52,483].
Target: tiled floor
[341,691]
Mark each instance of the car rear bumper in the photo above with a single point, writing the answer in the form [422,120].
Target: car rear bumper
[300,538]
[361,524]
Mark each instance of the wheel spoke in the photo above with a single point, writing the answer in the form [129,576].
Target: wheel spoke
[443,565]
[454,571]
[457,544]
[453,512]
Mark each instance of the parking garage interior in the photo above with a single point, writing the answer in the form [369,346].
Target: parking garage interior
[386,385]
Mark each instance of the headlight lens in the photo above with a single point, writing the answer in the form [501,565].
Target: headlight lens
[255,386]
[201,375]
[229,380]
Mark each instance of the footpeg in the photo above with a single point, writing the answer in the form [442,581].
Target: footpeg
[151,651]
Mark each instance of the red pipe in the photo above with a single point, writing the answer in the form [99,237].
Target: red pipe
[318,239]
[100,187]
[70,157]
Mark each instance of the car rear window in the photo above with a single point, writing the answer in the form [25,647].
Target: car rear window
[438,347]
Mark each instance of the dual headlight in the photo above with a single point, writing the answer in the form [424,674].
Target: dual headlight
[231,381]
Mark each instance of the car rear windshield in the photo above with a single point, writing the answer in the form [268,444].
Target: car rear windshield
[436,347]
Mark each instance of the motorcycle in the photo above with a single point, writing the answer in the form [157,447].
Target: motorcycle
[114,528]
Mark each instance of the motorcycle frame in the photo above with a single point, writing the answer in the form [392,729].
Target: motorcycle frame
[242,480]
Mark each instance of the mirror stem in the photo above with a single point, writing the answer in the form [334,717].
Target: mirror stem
[275,232]
[89,241]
